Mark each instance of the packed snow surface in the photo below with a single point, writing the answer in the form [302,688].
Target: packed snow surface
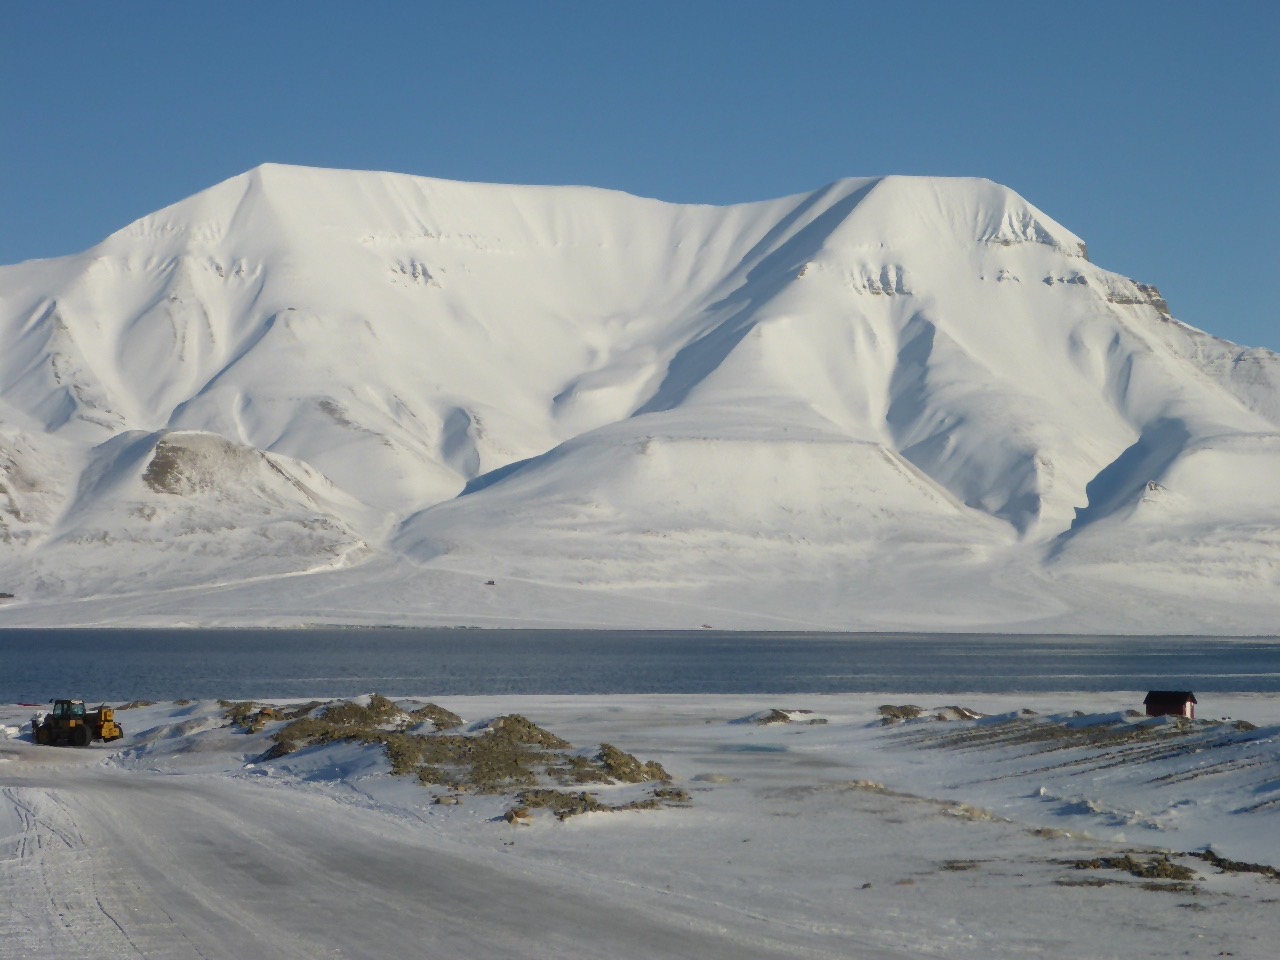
[897,403]
[1050,825]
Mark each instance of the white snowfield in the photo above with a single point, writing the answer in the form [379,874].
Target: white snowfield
[829,836]
[901,403]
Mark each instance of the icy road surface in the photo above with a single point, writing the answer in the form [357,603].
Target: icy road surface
[160,867]
[843,838]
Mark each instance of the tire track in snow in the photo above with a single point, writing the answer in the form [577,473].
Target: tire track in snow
[66,900]
[53,876]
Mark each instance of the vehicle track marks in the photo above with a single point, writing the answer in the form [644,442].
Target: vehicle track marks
[67,896]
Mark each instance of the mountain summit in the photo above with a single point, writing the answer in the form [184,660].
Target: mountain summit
[894,403]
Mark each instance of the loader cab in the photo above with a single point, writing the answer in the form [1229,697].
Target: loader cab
[68,709]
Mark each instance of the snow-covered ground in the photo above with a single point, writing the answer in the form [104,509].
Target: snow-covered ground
[831,835]
[889,404]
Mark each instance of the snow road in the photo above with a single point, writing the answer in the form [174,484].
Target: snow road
[183,867]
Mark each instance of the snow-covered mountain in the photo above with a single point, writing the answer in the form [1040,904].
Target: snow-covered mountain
[891,403]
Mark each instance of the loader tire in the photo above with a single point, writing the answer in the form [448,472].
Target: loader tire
[81,736]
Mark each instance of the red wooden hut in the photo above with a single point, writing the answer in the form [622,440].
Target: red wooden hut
[1171,703]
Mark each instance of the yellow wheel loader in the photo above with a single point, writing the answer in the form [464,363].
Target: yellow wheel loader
[71,724]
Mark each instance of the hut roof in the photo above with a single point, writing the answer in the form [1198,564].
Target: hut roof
[1180,696]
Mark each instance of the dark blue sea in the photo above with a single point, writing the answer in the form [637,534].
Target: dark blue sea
[244,664]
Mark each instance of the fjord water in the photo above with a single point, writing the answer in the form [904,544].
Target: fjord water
[121,664]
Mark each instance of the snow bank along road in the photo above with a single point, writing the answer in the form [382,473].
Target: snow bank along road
[183,842]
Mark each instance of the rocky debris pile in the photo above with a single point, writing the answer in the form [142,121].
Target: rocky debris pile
[895,713]
[957,713]
[772,716]
[252,717]
[1236,866]
[1158,871]
[1155,867]
[891,713]
[508,754]
[566,804]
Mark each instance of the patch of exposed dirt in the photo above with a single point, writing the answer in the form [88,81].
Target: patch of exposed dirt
[509,754]
[1087,881]
[237,712]
[1156,867]
[164,473]
[891,713]
[773,716]
[1236,866]
[626,768]
[957,713]
[1175,887]
[436,715]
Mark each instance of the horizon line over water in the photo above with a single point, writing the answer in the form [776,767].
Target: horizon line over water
[120,664]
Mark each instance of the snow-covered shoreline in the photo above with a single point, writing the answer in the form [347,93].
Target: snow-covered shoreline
[832,835]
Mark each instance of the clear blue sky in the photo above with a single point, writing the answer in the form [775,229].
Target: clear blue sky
[1150,129]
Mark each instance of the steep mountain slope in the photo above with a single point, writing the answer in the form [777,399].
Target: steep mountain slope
[893,401]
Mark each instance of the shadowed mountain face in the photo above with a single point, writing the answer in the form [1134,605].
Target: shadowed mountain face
[899,401]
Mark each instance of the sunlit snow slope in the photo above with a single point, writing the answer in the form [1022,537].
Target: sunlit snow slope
[901,403]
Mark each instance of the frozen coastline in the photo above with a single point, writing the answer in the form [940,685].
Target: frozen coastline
[849,837]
